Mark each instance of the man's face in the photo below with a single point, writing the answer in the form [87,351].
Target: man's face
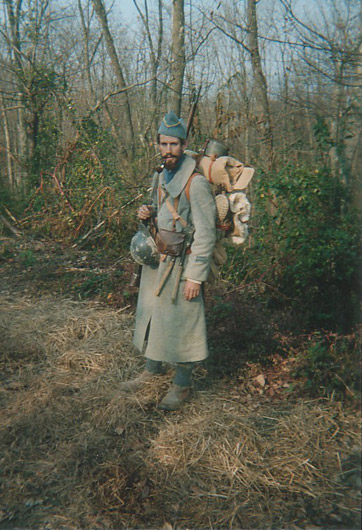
[171,150]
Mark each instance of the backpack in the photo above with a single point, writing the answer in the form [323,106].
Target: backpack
[227,177]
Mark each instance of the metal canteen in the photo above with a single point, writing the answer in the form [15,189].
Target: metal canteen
[216,148]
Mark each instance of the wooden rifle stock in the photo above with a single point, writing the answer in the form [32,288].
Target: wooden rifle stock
[192,112]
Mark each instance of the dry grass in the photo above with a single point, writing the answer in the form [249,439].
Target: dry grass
[75,453]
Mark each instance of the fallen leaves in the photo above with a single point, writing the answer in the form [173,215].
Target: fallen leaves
[274,381]
[260,379]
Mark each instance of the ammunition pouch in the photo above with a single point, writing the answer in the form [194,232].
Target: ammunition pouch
[170,242]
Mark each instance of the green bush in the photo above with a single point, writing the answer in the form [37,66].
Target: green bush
[330,365]
[84,200]
[303,246]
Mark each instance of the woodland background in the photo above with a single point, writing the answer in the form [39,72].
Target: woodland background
[82,91]
[82,95]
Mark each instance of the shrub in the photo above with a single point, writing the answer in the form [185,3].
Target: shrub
[304,246]
[330,365]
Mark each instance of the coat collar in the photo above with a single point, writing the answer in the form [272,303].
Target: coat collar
[179,181]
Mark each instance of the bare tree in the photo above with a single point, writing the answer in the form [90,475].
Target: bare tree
[86,50]
[155,49]
[14,66]
[102,17]
[32,79]
[246,35]
[88,56]
[330,50]
[261,90]
[178,59]
[8,149]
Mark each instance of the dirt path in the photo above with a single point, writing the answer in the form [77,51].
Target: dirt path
[40,266]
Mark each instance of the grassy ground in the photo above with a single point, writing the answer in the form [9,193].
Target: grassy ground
[250,450]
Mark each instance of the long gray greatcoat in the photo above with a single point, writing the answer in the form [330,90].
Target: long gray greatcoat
[177,331]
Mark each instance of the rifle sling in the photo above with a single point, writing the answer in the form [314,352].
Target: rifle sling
[173,208]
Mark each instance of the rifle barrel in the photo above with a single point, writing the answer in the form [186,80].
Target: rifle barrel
[192,111]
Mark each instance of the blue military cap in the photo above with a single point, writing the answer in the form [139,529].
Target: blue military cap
[171,125]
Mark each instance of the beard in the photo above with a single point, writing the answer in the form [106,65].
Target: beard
[171,162]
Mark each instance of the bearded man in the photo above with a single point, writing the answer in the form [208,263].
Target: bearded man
[170,316]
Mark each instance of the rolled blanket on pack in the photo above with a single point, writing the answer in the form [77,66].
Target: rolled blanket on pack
[244,179]
[240,232]
[239,204]
[226,171]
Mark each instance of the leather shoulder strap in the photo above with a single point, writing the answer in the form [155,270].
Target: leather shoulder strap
[175,215]
[172,209]
[188,186]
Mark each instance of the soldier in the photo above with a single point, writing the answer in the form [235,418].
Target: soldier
[170,316]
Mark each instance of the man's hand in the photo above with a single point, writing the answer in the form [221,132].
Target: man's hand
[191,290]
[144,212]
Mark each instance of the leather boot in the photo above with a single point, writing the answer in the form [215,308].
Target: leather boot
[138,382]
[175,397]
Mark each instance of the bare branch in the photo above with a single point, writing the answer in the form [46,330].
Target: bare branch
[119,91]
[11,108]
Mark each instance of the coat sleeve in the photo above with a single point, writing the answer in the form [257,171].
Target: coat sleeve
[203,212]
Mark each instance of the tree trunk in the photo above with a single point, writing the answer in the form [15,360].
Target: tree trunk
[87,72]
[13,12]
[7,145]
[102,17]
[20,147]
[263,119]
[87,63]
[177,55]
[155,52]
[353,136]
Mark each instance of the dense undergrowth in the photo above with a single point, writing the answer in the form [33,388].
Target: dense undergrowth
[304,236]
[303,252]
